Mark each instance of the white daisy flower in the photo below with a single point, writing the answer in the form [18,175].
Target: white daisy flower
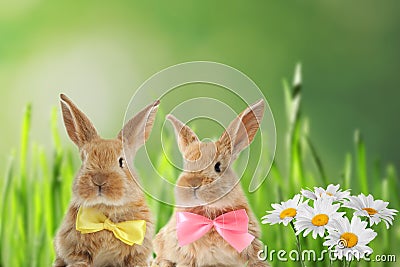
[317,219]
[375,210]
[284,212]
[350,239]
[332,191]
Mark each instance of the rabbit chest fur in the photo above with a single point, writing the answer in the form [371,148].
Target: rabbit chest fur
[105,248]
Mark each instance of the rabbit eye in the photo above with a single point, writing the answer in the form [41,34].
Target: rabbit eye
[217,167]
[121,162]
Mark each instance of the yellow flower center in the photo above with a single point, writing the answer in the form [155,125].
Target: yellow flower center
[320,220]
[289,212]
[370,211]
[348,240]
[329,194]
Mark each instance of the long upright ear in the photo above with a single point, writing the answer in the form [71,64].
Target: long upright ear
[137,130]
[184,135]
[242,130]
[79,127]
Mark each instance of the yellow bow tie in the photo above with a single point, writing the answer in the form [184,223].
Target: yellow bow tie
[90,220]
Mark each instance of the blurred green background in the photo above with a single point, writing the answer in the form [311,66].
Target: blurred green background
[349,51]
[99,53]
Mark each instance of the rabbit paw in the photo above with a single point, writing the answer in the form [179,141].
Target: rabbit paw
[78,264]
[162,263]
[258,264]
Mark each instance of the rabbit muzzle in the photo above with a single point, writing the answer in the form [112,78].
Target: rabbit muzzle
[194,181]
[99,180]
[190,188]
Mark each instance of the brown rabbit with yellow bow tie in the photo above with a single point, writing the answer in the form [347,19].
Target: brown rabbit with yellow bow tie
[108,222]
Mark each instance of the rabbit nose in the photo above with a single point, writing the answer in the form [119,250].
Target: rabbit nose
[195,182]
[98,179]
[195,187]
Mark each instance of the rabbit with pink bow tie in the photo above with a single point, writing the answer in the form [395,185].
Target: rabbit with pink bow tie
[213,224]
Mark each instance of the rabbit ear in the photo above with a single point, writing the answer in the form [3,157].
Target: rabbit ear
[183,133]
[137,130]
[78,126]
[242,130]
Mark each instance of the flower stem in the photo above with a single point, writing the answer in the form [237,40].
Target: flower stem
[298,245]
[330,258]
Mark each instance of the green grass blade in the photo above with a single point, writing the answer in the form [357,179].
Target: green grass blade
[317,161]
[25,131]
[347,172]
[23,191]
[4,210]
[294,129]
[361,162]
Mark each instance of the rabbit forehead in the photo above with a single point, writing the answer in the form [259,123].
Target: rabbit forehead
[102,150]
[200,155]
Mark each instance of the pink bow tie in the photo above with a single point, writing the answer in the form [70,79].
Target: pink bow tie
[232,226]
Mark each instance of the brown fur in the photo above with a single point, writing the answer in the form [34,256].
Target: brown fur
[102,183]
[201,190]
